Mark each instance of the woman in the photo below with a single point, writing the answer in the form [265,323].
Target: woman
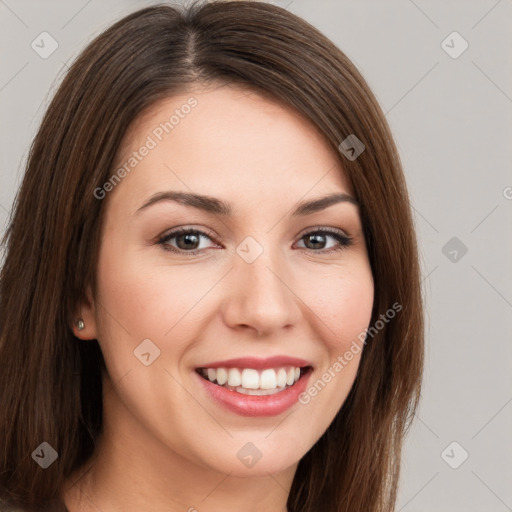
[211,297]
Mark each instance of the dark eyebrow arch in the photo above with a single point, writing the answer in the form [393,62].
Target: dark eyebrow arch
[216,206]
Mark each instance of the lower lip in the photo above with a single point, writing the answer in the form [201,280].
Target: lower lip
[251,405]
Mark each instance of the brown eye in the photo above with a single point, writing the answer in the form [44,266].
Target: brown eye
[187,241]
[316,240]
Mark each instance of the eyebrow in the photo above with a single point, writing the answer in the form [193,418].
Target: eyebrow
[217,207]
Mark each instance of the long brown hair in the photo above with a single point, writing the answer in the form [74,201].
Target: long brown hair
[50,384]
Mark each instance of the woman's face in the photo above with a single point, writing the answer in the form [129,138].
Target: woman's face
[263,284]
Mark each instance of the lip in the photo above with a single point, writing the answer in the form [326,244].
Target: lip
[257,362]
[252,405]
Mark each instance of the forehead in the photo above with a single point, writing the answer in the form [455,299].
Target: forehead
[222,140]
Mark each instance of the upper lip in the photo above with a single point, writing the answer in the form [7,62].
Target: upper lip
[257,362]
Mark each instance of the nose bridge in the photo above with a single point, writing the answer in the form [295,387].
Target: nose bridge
[261,297]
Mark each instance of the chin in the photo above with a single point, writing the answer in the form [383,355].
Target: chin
[256,456]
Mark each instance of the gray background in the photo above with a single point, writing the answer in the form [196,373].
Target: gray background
[451,118]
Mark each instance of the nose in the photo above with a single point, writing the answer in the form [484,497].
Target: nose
[261,295]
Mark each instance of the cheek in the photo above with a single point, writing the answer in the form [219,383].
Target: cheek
[343,300]
[147,300]
[156,301]
[343,308]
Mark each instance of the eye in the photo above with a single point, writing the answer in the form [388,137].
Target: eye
[186,239]
[317,240]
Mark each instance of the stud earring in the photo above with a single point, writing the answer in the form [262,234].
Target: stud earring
[80,325]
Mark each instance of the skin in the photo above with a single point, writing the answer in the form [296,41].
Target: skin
[165,441]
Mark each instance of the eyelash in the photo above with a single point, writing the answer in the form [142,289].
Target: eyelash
[343,240]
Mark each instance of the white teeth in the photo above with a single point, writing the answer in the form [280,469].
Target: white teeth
[281,378]
[257,392]
[253,382]
[290,378]
[222,375]
[234,377]
[268,379]
[250,379]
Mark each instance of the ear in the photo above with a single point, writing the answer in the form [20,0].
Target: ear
[87,313]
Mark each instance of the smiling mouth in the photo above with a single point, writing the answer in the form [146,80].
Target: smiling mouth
[249,381]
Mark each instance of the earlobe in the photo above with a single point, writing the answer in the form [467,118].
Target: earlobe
[84,325]
[80,329]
